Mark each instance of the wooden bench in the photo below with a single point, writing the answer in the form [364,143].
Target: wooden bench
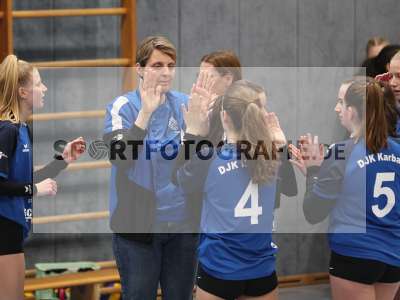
[84,285]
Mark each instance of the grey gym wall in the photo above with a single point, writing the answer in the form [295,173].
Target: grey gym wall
[265,33]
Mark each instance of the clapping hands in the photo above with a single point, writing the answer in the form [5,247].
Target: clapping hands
[277,135]
[201,101]
[311,153]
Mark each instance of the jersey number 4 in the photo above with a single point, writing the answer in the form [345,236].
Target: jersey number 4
[254,210]
[386,191]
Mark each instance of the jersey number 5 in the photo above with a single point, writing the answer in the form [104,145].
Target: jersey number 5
[386,191]
[254,210]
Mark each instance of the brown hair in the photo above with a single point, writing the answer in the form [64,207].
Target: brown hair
[149,44]
[226,62]
[14,74]
[392,113]
[376,41]
[368,99]
[243,104]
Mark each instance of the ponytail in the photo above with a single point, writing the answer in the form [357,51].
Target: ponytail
[367,97]
[376,122]
[242,103]
[13,74]
[255,130]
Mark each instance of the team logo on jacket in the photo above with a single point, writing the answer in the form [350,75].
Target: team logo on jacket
[173,124]
[28,214]
[26,148]
[3,155]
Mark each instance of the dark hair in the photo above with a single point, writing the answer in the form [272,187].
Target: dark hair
[370,69]
[384,57]
[226,62]
[378,64]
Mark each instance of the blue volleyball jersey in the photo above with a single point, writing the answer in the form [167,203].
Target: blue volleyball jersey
[236,221]
[16,166]
[367,193]
[151,170]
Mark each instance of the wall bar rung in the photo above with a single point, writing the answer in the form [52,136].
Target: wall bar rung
[48,13]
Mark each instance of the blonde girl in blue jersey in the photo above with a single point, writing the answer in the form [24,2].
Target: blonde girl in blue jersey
[21,90]
[236,252]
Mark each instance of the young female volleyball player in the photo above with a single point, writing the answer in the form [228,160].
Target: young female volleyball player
[393,79]
[236,252]
[225,69]
[359,191]
[394,71]
[21,90]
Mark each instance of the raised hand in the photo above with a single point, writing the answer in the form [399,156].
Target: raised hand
[204,86]
[312,151]
[74,149]
[205,80]
[297,159]
[196,114]
[278,137]
[151,97]
[47,187]
[150,92]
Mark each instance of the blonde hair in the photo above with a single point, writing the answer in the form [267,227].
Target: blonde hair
[376,41]
[14,74]
[396,56]
[243,104]
[149,44]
